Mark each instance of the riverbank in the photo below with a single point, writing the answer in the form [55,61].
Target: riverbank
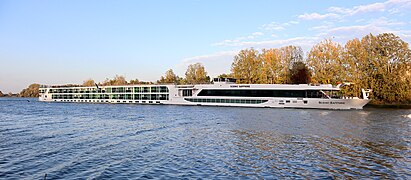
[380,104]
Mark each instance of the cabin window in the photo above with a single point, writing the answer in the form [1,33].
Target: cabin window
[187,92]
[153,89]
[146,89]
[144,97]
[163,89]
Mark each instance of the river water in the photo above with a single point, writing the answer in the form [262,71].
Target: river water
[121,141]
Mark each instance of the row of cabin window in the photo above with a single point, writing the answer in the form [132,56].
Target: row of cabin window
[113,96]
[236,101]
[107,101]
[161,89]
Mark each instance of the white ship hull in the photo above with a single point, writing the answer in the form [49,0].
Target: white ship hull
[217,94]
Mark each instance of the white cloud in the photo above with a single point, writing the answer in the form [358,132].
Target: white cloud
[320,28]
[358,9]
[273,26]
[394,11]
[304,42]
[344,33]
[392,6]
[369,8]
[257,34]
[316,16]
[208,57]
[383,21]
[360,24]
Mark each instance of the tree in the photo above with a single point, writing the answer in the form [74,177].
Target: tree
[246,66]
[89,83]
[225,76]
[1,94]
[134,81]
[299,73]
[196,74]
[116,81]
[289,55]
[356,60]
[325,62]
[271,66]
[31,91]
[389,59]
[170,77]
[276,64]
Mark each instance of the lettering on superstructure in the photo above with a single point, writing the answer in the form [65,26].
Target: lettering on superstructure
[331,102]
[241,86]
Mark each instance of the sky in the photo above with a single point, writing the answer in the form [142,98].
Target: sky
[60,42]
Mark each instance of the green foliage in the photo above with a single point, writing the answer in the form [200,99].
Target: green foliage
[31,91]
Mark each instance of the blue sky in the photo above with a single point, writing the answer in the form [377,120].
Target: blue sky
[60,42]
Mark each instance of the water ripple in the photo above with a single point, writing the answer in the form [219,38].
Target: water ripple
[106,141]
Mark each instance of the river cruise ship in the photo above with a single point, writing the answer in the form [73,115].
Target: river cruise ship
[223,92]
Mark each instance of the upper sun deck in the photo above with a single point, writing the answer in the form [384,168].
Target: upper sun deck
[218,83]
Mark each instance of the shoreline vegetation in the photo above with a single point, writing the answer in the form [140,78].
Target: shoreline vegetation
[381,63]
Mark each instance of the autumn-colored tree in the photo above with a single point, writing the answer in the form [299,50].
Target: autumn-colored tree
[299,73]
[169,77]
[246,66]
[387,63]
[31,91]
[356,61]
[225,76]
[325,62]
[88,83]
[196,74]
[271,66]
[116,81]
[276,64]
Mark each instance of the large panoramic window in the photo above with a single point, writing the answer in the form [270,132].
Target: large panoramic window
[252,93]
[235,101]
